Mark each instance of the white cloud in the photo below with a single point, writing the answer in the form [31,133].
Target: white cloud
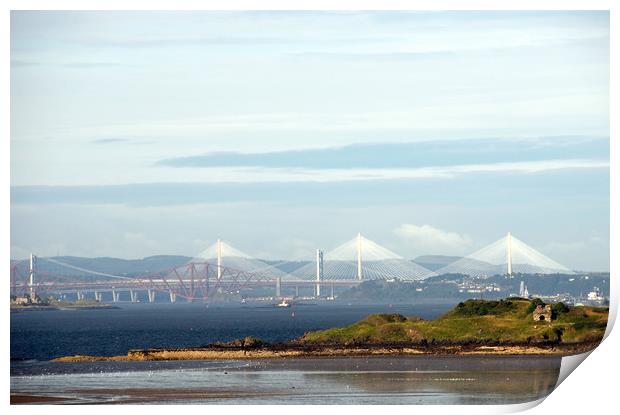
[426,239]
[149,174]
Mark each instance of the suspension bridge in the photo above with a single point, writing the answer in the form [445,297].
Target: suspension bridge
[221,268]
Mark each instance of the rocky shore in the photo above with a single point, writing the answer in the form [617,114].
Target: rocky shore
[294,351]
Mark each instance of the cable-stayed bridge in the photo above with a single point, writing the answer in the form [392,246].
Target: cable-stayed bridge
[508,255]
[359,259]
[221,268]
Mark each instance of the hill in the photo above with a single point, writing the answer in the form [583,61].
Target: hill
[474,321]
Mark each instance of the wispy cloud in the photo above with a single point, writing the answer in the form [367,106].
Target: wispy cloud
[216,184]
[419,118]
[110,140]
[337,32]
[159,41]
[66,64]
[301,175]
[408,155]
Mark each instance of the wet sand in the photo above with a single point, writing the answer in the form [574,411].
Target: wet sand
[418,379]
[140,396]
[17,399]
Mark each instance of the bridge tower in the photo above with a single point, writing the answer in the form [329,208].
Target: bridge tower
[279,287]
[319,271]
[359,256]
[509,254]
[31,275]
[218,249]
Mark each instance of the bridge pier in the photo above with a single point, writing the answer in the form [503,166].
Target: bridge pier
[173,297]
[296,291]
[279,287]
[115,296]
[151,294]
[98,296]
[133,295]
[80,295]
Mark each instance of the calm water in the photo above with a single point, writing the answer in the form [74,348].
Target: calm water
[38,336]
[47,334]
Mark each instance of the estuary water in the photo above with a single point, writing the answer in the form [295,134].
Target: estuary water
[37,336]
[43,335]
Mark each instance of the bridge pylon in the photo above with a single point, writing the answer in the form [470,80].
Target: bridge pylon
[31,276]
[319,271]
[219,259]
[509,254]
[359,256]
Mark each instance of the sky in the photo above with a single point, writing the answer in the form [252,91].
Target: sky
[146,133]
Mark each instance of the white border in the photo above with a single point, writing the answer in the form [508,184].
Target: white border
[591,388]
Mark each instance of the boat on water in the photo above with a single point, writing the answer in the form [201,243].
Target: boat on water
[283,303]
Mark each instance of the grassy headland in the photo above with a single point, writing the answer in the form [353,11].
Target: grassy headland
[474,321]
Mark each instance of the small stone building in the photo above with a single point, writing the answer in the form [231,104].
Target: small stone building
[542,313]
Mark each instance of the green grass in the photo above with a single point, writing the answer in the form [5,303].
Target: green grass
[473,321]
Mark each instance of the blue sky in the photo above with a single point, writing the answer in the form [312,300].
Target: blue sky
[134,134]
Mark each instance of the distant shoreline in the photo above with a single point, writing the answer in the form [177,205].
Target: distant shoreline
[18,308]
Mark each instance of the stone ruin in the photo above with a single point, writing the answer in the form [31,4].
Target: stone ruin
[542,313]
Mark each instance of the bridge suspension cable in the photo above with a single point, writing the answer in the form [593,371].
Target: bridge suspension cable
[507,255]
[86,270]
[225,255]
[363,259]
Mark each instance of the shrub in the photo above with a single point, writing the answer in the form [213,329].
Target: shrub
[535,303]
[483,308]
[557,309]
[391,332]
[379,319]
